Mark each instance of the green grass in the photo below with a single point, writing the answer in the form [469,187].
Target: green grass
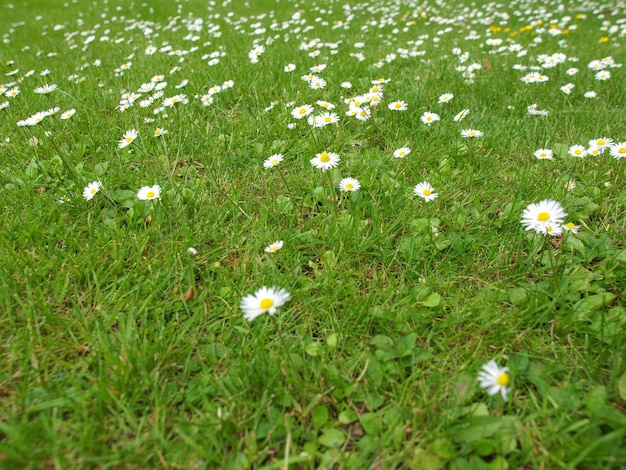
[123,350]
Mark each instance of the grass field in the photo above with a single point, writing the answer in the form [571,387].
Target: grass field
[153,153]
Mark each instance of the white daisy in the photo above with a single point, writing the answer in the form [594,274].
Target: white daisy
[325,160]
[264,300]
[91,189]
[147,193]
[543,217]
[495,379]
[349,185]
[274,247]
[425,191]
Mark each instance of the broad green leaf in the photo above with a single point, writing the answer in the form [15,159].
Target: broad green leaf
[313,349]
[443,447]
[592,303]
[332,438]
[381,342]
[332,340]
[433,300]
[424,460]
[372,423]
[319,416]
[518,296]
[348,416]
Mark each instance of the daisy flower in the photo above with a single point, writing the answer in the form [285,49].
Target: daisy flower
[290,67]
[45,89]
[91,189]
[495,379]
[446,98]
[363,113]
[603,75]
[398,106]
[68,114]
[471,133]
[158,132]
[577,151]
[570,185]
[618,150]
[325,160]
[571,227]
[429,118]
[317,83]
[544,154]
[461,115]
[346,85]
[274,247]
[302,111]
[147,193]
[544,216]
[12,93]
[601,143]
[590,94]
[594,151]
[264,300]
[328,118]
[325,104]
[273,161]
[401,152]
[129,137]
[425,191]
[181,98]
[349,185]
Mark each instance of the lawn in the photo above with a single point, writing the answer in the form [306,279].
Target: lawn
[283,234]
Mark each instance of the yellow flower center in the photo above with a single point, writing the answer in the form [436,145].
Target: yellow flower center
[129,139]
[324,157]
[621,150]
[570,225]
[349,186]
[327,119]
[427,192]
[503,380]
[93,190]
[150,194]
[266,304]
[301,111]
[543,216]
[601,142]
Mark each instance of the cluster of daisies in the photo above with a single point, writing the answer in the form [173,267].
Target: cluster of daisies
[145,193]
[152,93]
[594,148]
[547,61]
[41,115]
